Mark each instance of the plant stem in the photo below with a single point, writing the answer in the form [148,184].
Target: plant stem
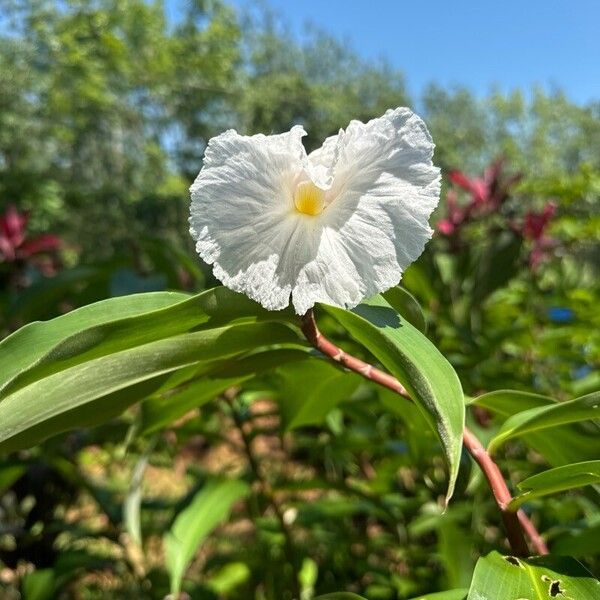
[514,523]
[267,491]
[500,492]
[536,539]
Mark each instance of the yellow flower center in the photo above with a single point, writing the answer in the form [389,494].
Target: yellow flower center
[309,199]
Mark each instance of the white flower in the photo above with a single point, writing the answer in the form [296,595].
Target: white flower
[336,226]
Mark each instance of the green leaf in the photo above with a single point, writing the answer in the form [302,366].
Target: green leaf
[307,576]
[309,390]
[496,265]
[10,473]
[557,480]
[498,577]
[544,417]
[580,541]
[457,594]
[455,552]
[420,437]
[26,346]
[96,390]
[133,498]
[509,402]
[428,377]
[229,577]
[210,507]
[39,585]
[208,381]
[213,308]
[566,445]
[418,280]
[45,294]
[405,304]
[340,596]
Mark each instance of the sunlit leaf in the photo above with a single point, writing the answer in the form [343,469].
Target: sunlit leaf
[229,577]
[545,417]
[498,577]
[26,346]
[209,508]
[94,335]
[209,380]
[429,378]
[94,391]
[566,445]
[309,390]
[405,304]
[457,594]
[558,480]
[133,498]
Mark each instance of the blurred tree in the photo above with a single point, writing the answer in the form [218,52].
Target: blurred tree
[106,107]
[543,136]
[320,83]
[94,93]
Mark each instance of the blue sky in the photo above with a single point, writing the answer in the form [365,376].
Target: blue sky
[509,43]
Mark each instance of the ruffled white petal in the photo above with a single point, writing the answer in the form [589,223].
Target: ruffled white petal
[382,188]
[322,162]
[241,201]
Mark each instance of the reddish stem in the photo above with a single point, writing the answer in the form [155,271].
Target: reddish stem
[534,535]
[500,491]
[514,523]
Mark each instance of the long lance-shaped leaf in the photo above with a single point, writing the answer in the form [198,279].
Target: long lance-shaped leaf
[210,507]
[340,596]
[213,308]
[545,417]
[207,382]
[417,363]
[405,304]
[309,390]
[20,350]
[456,594]
[68,398]
[498,577]
[568,443]
[133,499]
[557,480]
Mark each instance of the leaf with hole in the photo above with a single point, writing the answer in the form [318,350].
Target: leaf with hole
[498,577]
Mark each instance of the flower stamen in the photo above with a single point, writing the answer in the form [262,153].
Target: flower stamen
[309,199]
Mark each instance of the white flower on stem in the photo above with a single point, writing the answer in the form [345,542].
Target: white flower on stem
[335,226]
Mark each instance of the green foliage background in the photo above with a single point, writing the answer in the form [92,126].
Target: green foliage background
[105,111]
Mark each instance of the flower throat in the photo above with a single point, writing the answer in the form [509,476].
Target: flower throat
[309,199]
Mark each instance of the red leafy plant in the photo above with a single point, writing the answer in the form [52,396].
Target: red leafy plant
[18,250]
[534,228]
[487,195]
